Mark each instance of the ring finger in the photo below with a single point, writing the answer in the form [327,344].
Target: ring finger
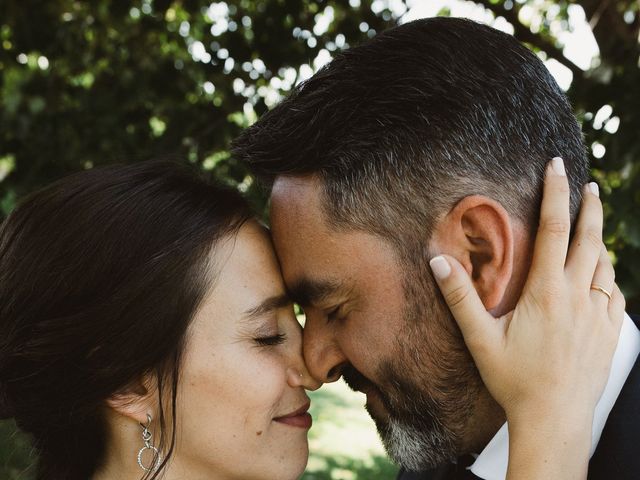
[603,279]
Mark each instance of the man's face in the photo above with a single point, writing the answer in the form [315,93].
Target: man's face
[380,324]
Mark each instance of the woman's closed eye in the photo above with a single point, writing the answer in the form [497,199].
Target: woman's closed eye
[271,340]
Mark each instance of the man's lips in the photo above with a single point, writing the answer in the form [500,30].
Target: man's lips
[359,383]
[299,418]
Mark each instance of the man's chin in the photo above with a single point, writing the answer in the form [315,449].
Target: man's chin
[413,449]
[410,442]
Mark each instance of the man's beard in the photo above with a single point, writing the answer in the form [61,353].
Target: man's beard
[427,386]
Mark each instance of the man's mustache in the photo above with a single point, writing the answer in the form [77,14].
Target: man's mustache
[356,380]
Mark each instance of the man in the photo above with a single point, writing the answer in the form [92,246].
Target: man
[431,138]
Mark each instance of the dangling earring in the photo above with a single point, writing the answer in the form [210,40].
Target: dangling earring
[146,438]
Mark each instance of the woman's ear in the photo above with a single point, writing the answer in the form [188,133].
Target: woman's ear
[478,232]
[136,400]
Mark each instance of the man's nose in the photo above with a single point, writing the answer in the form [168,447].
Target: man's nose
[322,354]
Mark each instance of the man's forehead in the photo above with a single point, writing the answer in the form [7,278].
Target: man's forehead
[296,199]
[308,250]
[295,181]
[287,188]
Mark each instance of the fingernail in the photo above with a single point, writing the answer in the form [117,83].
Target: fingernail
[440,267]
[558,166]
[593,188]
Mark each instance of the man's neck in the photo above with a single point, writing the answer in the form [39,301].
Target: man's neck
[487,419]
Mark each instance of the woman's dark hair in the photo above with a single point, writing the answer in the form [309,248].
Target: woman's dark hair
[100,275]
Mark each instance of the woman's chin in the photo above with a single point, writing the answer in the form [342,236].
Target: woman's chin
[299,463]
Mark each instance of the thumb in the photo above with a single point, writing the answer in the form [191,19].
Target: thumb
[477,325]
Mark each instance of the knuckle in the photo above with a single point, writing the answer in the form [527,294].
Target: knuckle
[548,298]
[457,295]
[563,186]
[559,184]
[593,236]
[555,226]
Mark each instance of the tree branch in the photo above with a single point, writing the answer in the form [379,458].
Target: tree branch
[522,33]
[614,36]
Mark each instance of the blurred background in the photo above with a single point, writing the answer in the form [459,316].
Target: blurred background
[88,83]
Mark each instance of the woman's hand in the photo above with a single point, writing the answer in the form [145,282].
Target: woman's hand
[547,361]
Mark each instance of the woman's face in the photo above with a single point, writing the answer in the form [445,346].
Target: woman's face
[241,400]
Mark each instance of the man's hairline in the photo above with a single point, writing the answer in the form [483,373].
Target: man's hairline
[332,223]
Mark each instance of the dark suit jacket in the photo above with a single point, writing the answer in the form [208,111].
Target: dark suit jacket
[617,456]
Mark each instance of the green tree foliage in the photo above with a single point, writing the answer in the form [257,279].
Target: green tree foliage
[87,83]
[90,83]
[602,96]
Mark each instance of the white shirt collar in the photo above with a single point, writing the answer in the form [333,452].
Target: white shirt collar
[491,464]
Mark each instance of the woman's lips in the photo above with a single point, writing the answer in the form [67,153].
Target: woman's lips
[303,420]
[299,418]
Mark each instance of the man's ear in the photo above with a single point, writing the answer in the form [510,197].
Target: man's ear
[478,232]
[135,401]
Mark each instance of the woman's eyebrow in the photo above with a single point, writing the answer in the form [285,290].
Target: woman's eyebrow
[268,305]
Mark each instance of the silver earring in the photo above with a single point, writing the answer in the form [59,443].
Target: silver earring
[146,438]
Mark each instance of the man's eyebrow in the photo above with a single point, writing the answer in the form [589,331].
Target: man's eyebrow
[308,292]
[269,305]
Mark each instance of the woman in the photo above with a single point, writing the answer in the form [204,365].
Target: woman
[124,285]
[145,332]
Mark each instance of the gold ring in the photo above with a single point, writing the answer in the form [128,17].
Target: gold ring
[600,289]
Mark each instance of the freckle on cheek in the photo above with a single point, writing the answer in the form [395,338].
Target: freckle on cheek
[259,433]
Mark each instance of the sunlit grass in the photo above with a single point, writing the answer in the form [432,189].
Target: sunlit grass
[343,442]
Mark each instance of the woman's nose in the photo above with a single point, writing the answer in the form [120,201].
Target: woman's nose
[299,377]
